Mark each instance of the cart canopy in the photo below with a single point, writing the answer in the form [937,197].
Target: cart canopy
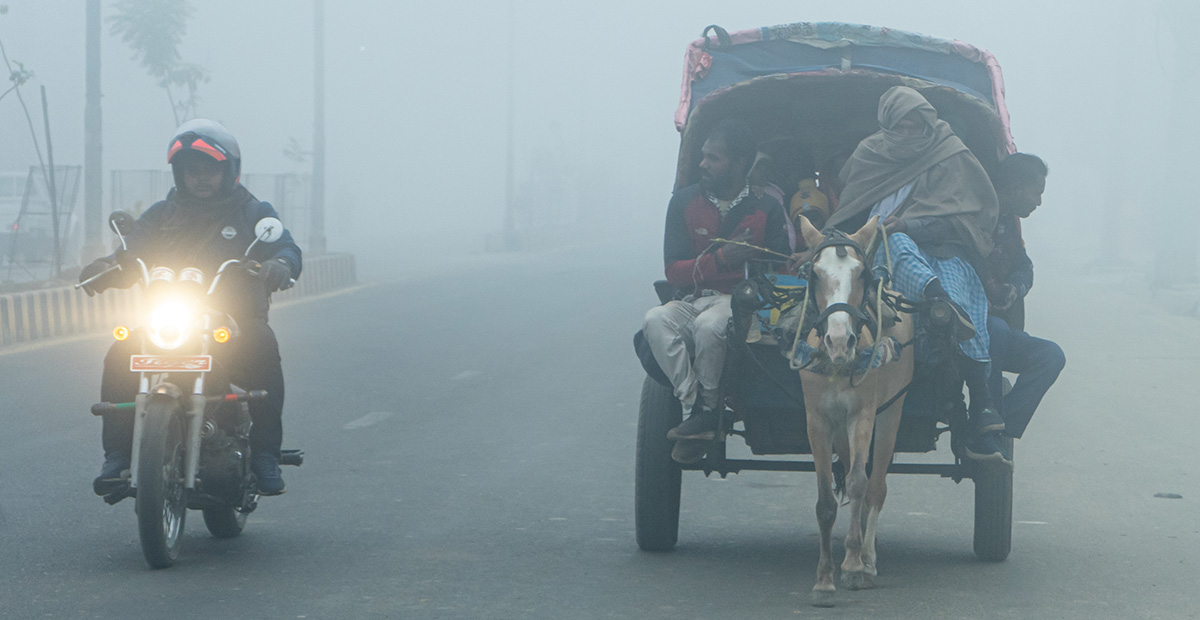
[820,82]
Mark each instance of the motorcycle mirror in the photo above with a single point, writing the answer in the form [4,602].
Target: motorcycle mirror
[268,230]
[121,222]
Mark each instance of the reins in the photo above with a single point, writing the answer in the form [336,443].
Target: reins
[836,238]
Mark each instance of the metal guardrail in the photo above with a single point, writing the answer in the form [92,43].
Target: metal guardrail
[46,314]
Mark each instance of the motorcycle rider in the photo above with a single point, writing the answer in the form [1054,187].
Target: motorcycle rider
[207,218]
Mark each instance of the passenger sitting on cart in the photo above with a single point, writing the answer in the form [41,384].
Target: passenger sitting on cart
[784,169]
[687,335]
[1019,181]
[939,209]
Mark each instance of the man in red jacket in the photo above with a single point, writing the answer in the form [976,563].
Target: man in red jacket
[687,336]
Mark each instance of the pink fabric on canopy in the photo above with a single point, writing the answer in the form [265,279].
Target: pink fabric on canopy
[970,52]
[696,63]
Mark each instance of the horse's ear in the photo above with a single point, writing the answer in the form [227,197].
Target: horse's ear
[812,236]
[866,234]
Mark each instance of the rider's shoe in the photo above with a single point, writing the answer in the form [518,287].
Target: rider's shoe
[688,451]
[988,448]
[946,313]
[987,420]
[265,467]
[702,424]
[113,476]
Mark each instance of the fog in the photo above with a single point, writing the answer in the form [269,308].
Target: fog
[472,421]
[417,106]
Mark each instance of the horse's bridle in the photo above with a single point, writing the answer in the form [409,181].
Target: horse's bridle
[835,238]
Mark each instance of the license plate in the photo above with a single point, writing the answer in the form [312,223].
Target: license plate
[166,363]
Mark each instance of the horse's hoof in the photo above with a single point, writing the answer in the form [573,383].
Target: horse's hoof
[822,598]
[854,580]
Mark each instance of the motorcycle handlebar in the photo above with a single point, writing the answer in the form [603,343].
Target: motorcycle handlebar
[114,267]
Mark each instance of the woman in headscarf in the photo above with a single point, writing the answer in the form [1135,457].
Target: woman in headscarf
[939,207]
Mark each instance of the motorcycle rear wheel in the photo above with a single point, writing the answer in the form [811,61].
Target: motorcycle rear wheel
[161,494]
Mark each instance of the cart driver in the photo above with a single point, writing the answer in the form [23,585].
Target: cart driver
[687,335]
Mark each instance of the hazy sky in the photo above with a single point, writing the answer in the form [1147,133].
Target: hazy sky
[417,94]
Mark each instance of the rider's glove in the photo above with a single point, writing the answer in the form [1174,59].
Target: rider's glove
[276,274]
[99,285]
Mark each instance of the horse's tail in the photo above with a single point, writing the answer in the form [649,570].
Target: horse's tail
[839,480]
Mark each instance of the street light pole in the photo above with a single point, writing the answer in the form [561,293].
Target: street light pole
[93,164]
[510,232]
[316,242]
[1175,250]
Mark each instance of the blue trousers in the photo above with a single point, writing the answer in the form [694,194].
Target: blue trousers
[1036,362]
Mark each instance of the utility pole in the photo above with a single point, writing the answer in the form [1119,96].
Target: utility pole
[93,165]
[1175,254]
[51,187]
[316,243]
[510,224]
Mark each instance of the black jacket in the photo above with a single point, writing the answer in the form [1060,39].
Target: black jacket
[180,233]
[1010,264]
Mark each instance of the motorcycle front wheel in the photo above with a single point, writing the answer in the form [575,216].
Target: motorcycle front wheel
[161,493]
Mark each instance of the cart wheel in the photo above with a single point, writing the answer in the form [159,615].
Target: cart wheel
[993,511]
[657,480]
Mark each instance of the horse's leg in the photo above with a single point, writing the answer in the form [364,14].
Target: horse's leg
[893,379]
[886,426]
[819,439]
[858,429]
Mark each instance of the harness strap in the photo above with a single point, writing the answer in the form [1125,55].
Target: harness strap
[891,401]
[853,311]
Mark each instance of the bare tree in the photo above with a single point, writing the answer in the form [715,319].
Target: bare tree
[19,75]
[154,29]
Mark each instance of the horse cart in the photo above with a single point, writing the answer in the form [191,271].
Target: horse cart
[818,85]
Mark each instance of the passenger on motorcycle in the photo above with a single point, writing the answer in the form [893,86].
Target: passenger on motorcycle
[207,218]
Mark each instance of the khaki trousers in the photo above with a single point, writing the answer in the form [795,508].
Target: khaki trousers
[688,341]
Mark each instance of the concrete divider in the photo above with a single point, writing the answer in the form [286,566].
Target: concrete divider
[60,312]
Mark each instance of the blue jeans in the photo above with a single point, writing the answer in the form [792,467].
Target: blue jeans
[1036,362]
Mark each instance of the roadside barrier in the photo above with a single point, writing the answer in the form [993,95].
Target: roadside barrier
[60,312]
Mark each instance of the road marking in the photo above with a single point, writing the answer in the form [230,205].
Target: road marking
[370,419]
[1034,522]
[466,374]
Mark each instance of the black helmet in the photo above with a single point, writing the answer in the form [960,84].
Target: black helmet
[203,137]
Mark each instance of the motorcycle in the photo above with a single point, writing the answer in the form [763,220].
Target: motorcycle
[191,434]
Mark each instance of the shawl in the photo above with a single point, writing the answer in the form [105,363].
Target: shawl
[947,179]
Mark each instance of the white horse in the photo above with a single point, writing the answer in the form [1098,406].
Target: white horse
[841,402]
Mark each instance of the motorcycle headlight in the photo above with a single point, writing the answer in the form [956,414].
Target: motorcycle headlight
[170,324]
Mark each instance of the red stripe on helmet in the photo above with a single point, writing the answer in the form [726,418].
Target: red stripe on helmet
[207,149]
[175,148]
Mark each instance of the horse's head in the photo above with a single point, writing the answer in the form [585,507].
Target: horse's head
[838,279]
